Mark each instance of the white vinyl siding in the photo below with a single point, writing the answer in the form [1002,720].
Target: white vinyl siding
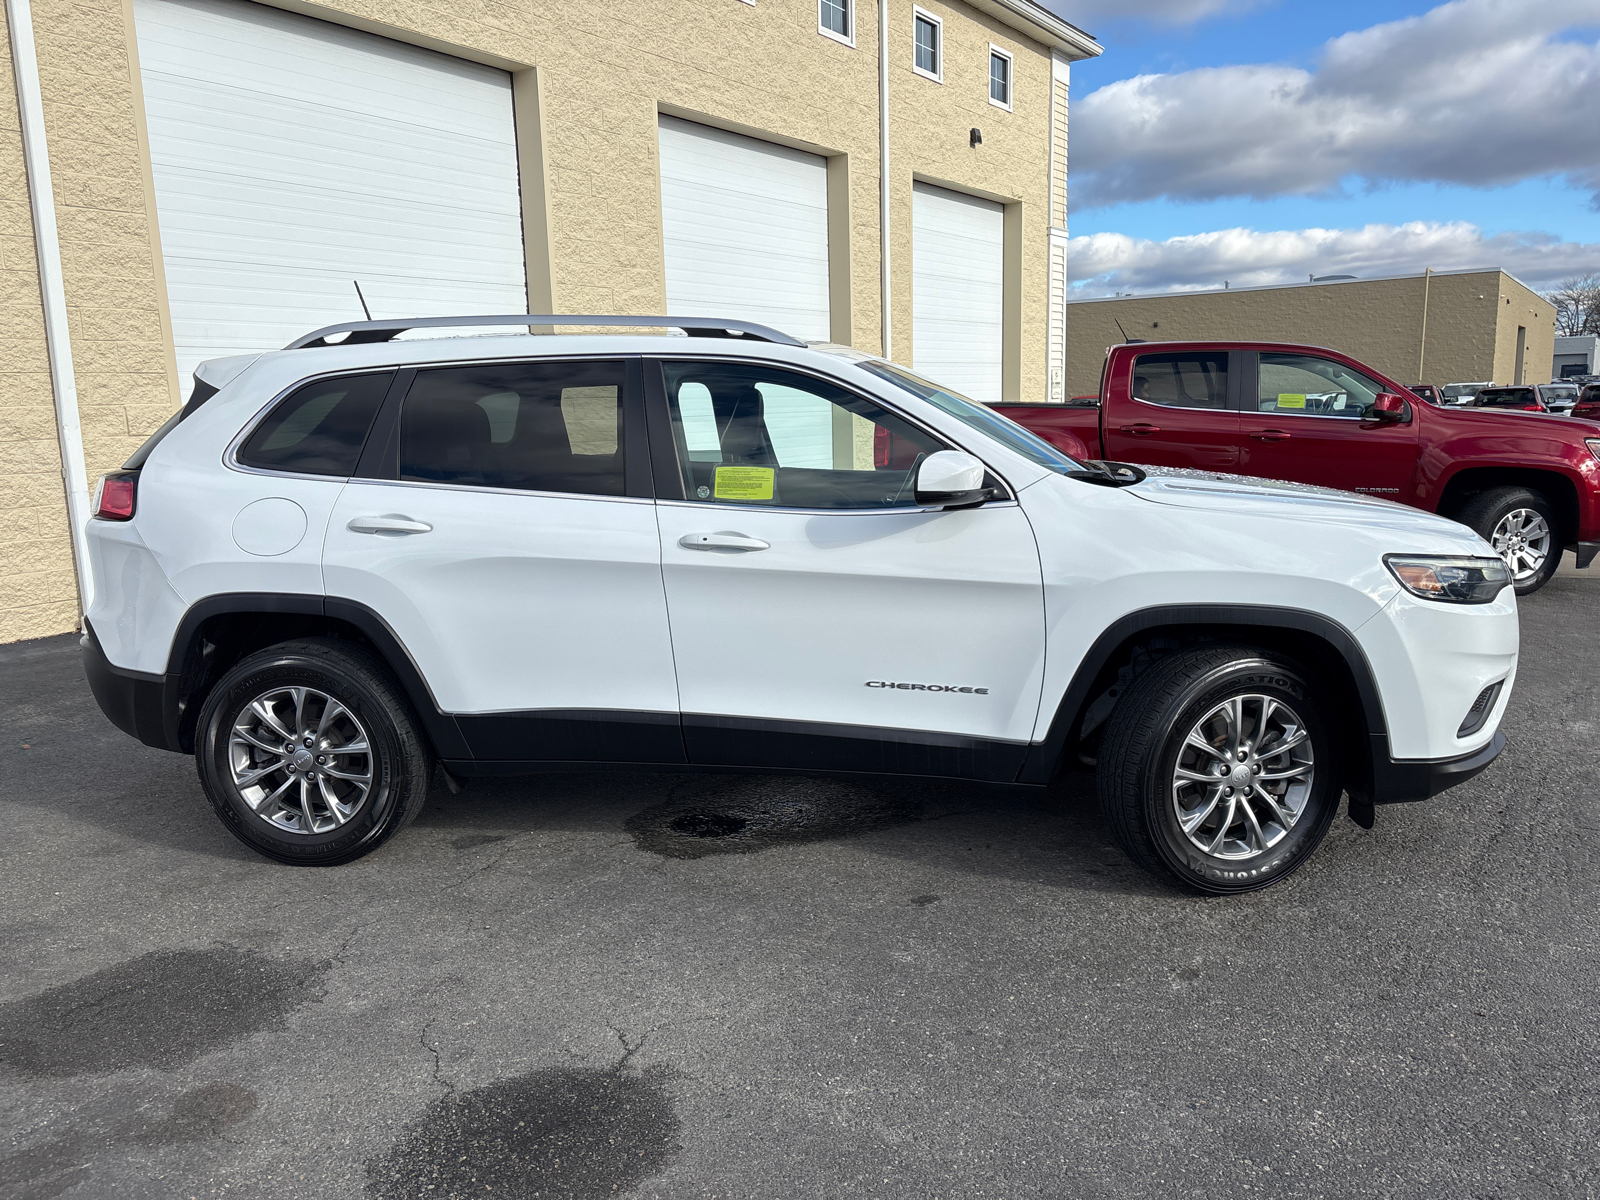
[957,290]
[292,156]
[745,229]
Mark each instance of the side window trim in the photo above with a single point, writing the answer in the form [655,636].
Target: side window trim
[380,457]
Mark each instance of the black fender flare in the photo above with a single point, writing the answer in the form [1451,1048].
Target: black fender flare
[181,669]
[1044,757]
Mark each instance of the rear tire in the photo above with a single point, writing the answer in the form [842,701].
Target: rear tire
[1521,526]
[1201,723]
[310,753]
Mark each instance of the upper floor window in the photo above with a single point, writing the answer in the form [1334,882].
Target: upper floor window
[543,427]
[318,429]
[836,18]
[999,77]
[928,51]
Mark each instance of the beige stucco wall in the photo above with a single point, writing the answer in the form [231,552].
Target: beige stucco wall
[37,592]
[1470,326]
[591,78]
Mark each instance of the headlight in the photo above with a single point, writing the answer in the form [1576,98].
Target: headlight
[1452,580]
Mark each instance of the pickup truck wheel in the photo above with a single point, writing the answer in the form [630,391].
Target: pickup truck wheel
[1518,523]
[310,754]
[1219,768]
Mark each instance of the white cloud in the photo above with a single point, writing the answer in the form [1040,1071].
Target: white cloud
[1474,92]
[1164,12]
[1103,264]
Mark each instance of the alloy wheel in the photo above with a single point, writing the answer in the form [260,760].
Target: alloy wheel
[1243,777]
[1523,539]
[300,760]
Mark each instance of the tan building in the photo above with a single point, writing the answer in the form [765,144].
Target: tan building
[193,178]
[1439,327]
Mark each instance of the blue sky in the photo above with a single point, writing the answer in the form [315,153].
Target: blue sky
[1137,182]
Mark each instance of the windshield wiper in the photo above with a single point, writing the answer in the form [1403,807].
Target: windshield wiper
[1108,474]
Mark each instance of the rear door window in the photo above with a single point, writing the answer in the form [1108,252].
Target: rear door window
[544,427]
[318,429]
[1182,380]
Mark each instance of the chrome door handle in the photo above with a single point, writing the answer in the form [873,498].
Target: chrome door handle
[388,523]
[725,540]
[1269,435]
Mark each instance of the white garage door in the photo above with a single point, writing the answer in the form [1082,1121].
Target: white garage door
[745,227]
[957,290]
[292,156]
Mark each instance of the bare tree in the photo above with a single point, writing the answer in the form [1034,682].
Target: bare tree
[1577,303]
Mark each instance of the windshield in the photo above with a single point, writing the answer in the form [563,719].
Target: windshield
[969,412]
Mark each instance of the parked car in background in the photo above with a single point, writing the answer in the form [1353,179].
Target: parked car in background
[1462,393]
[1588,404]
[1528,486]
[1428,392]
[1522,399]
[1557,397]
[344,564]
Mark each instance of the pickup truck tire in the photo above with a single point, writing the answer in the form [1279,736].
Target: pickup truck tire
[310,753]
[1521,526]
[1220,768]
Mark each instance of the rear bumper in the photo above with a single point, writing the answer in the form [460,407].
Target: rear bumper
[133,701]
[1397,781]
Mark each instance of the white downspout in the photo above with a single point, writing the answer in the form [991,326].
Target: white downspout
[46,240]
[883,175]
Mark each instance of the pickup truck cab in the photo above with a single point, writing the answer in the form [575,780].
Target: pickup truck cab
[1305,414]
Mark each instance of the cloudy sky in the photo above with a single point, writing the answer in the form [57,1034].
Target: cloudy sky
[1260,141]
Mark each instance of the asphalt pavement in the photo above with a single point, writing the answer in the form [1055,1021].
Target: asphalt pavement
[634,985]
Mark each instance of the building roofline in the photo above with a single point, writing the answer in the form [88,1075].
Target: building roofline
[1273,287]
[1042,25]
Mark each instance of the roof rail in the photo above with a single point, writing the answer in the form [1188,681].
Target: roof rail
[385,331]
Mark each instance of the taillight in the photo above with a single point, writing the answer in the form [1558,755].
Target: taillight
[114,496]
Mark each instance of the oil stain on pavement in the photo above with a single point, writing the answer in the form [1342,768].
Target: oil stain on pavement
[563,1132]
[745,814]
[200,1113]
[159,1010]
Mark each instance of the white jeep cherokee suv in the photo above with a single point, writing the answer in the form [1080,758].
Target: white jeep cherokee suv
[352,560]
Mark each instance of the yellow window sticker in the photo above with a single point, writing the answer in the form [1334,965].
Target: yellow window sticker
[1291,400]
[744,483]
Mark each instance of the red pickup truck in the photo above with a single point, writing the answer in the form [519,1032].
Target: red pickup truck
[1529,483]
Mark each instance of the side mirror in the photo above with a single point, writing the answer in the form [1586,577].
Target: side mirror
[1389,408]
[951,479]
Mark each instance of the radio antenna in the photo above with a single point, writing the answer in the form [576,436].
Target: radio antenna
[362,298]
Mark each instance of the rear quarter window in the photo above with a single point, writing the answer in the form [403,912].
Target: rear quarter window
[319,428]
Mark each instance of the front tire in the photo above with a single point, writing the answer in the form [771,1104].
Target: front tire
[1520,525]
[310,754]
[1220,768]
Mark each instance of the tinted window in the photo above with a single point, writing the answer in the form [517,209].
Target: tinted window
[1182,380]
[318,429]
[756,435]
[546,427]
[1302,385]
[1506,397]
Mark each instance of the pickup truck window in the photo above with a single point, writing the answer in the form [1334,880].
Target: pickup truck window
[1303,385]
[1182,380]
[991,424]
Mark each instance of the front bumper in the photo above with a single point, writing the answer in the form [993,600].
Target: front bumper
[1397,781]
